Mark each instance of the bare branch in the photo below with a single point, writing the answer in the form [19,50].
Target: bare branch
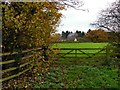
[110,18]
[76,4]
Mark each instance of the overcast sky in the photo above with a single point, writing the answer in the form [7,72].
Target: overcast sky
[80,20]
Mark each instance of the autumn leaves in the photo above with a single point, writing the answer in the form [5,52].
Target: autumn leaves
[28,25]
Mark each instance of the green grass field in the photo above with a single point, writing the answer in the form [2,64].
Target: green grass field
[81,45]
[79,73]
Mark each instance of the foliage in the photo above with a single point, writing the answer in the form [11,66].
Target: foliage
[29,22]
[28,25]
[55,37]
[114,52]
[97,35]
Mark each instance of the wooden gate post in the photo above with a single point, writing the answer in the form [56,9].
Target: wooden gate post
[75,52]
[107,51]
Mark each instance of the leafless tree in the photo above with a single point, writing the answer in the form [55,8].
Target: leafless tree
[110,19]
[72,3]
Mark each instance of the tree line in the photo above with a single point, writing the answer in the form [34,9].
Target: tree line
[96,35]
[79,33]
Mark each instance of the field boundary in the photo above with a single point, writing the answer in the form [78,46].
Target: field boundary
[76,52]
[12,68]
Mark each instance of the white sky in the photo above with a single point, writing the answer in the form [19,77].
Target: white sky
[80,20]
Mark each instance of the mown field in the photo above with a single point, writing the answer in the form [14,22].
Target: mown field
[82,46]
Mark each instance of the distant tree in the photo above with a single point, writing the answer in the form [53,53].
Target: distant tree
[89,30]
[110,20]
[63,35]
[67,33]
[71,32]
[80,34]
[97,35]
[77,31]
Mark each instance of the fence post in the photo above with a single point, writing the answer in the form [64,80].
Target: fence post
[44,53]
[75,52]
[107,53]
[18,58]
